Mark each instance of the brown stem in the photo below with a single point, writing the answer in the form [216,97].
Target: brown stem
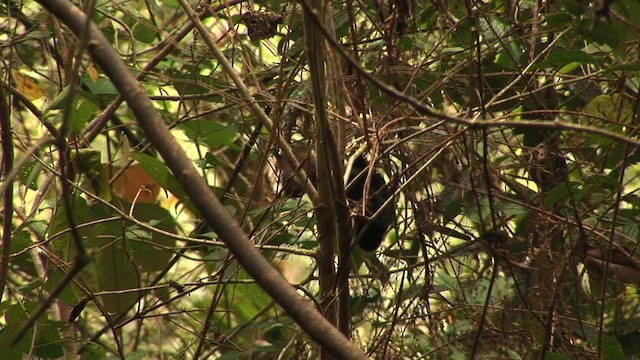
[7,165]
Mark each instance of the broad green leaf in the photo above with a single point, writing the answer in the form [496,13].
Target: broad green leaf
[83,109]
[159,172]
[102,86]
[186,84]
[550,355]
[558,194]
[210,161]
[209,133]
[144,32]
[630,343]
[55,278]
[452,232]
[149,257]
[59,101]
[49,343]
[608,111]
[111,268]
[115,272]
[28,174]
[611,348]
[88,162]
[559,20]
[232,355]
[59,225]
[564,58]
[16,316]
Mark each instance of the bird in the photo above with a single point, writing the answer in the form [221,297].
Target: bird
[370,232]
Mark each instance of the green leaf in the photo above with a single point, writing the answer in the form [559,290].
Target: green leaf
[278,333]
[28,174]
[54,279]
[623,67]
[59,225]
[102,86]
[451,232]
[212,134]
[15,318]
[210,161]
[149,257]
[254,299]
[59,101]
[550,355]
[611,349]
[159,172]
[556,195]
[93,352]
[630,344]
[451,206]
[136,355]
[185,83]
[144,33]
[608,111]
[20,241]
[115,272]
[606,182]
[559,20]
[564,58]
[112,268]
[49,342]
[89,163]
[83,109]
[232,355]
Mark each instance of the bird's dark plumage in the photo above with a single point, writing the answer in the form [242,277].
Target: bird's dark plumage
[370,232]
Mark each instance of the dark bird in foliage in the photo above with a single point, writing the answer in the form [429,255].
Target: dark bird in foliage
[370,231]
[604,10]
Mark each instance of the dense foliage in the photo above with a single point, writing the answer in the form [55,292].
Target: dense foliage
[507,132]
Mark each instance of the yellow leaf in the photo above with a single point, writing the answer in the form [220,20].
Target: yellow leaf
[93,74]
[136,182]
[26,86]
